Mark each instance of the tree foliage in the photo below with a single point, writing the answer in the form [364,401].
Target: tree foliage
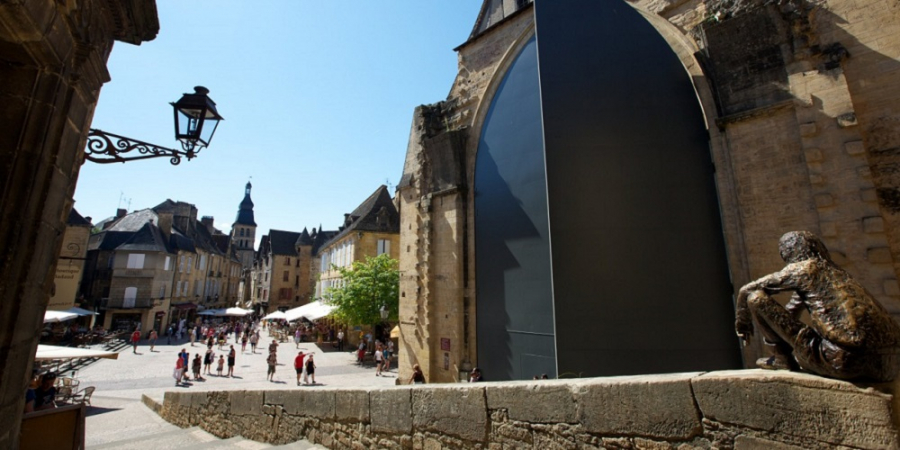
[367,286]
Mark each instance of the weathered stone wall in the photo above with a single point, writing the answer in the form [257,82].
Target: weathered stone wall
[738,409]
[52,65]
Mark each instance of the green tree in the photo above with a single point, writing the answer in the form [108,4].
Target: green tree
[367,286]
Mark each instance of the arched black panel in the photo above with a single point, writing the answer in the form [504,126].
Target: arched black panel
[640,276]
[513,298]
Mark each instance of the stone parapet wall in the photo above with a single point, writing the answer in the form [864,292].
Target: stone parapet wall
[734,409]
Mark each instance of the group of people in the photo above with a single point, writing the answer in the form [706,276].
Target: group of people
[305,367]
[200,365]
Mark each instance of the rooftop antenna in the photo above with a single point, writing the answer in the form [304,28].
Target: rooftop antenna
[390,186]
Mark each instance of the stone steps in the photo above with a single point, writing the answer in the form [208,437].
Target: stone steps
[194,439]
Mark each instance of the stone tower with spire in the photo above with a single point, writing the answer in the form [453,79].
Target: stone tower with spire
[243,231]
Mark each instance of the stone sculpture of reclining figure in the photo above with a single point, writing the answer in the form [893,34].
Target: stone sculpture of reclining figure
[850,337]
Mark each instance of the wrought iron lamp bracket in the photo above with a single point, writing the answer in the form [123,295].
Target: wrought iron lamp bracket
[104,148]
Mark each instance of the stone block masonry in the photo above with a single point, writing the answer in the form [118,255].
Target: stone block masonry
[734,409]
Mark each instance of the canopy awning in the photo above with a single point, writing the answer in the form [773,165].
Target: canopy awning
[58,316]
[277,315]
[51,352]
[311,311]
[233,312]
[80,311]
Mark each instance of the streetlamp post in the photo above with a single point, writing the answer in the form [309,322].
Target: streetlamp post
[196,121]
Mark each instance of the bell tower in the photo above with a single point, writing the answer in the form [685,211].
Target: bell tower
[243,231]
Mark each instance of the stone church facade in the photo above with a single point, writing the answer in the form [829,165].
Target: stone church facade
[799,98]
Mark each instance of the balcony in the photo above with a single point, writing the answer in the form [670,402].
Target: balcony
[121,303]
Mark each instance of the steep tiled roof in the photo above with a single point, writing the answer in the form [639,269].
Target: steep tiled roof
[147,239]
[108,240]
[304,238]
[135,221]
[376,213]
[283,242]
[76,220]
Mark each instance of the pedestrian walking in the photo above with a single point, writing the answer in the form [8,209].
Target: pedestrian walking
[361,352]
[244,342]
[231,358]
[272,360]
[208,360]
[388,355]
[179,370]
[196,365]
[310,369]
[298,366]
[135,337]
[297,338]
[153,338]
[193,335]
[254,339]
[184,355]
[379,360]
[221,365]
[340,338]
[273,347]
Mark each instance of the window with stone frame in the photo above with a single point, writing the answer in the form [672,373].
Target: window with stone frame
[135,261]
[286,276]
[384,246]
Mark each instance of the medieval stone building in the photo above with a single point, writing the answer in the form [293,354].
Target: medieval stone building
[593,210]
[52,66]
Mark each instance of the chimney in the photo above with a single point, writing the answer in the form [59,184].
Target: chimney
[207,221]
[120,213]
[165,222]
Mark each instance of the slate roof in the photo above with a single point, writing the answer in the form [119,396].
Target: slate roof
[148,239]
[108,240]
[76,220]
[245,210]
[376,213]
[304,238]
[135,221]
[283,242]
[321,238]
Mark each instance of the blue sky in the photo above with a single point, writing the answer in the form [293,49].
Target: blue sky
[317,96]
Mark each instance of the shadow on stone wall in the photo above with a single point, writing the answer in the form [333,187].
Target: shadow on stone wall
[704,410]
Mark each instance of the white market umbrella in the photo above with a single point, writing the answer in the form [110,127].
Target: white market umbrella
[312,311]
[80,311]
[277,315]
[52,352]
[237,312]
[318,310]
[58,316]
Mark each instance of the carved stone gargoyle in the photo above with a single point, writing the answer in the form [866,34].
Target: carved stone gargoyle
[850,336]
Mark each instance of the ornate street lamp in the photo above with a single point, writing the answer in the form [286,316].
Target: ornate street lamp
[196,120]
